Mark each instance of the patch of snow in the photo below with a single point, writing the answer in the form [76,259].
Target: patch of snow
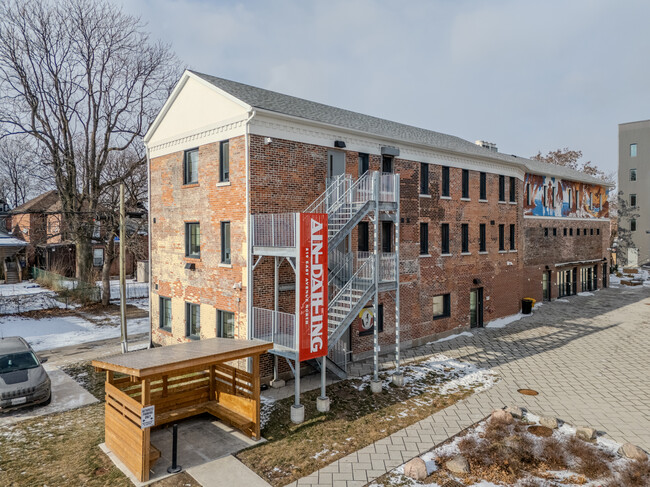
[55,332]
[266,408]
[585,294]
[451,337]
[506,320]
[562,301]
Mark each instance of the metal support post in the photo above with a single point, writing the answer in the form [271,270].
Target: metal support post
[125,347]
[375,384]
[323,402]
[398,376]
[297,410]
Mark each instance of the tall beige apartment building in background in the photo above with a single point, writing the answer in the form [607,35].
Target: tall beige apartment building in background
[634,188]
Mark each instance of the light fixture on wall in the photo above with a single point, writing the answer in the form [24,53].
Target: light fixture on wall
[339,144]
[267,140]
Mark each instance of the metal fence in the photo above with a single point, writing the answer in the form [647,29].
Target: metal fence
[274,326]
[274,230]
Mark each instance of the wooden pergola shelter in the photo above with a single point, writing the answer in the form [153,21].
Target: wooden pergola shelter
[179,381]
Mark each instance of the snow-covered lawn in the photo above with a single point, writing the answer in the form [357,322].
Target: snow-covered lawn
[55,332]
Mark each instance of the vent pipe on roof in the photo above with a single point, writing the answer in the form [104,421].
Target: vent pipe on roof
[488,145]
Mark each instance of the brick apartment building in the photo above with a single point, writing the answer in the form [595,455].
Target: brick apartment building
[474,230]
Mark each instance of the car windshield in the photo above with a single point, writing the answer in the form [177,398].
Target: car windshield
[17,361]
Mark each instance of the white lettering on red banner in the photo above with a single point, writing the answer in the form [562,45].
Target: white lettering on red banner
[312,287]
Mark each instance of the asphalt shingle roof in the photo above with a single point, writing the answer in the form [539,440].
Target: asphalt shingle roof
[346,119]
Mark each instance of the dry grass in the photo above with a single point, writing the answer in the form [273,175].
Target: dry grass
[635,474]
[355,420]
[591,462]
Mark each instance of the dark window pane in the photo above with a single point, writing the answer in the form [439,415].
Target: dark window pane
[192,320]
[386,236]
[465,237]
[224,164]
[502,244]
[424,238]
[483,186]
[225,242]
[165,313]
[226,324]
[441,306]
[465,181]
[445,181]
[481,237]
[386,164]
[424,178]
[512,236]
[513,189]
[502,188]
[444,234]
[192,240]
[364,237]
[191,167]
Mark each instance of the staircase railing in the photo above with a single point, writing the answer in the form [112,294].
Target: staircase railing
[336,187]
[350,294]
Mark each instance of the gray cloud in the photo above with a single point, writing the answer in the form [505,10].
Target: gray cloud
[526,75]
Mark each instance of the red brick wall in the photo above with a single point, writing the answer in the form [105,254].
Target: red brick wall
[211,284]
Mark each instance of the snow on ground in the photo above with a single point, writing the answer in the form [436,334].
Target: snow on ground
[439,374]
[506,320]
[585,294]
[563,433]
[20,289]
[266,408]
[55,332]
[451,337]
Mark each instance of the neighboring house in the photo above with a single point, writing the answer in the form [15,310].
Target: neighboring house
[9,261]
[5,219]
[634,189]
[474,230]
[39,222]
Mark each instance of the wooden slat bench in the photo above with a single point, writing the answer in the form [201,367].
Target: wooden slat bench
[212,407]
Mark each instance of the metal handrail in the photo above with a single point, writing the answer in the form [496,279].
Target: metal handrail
[319,203]
[349,194]
[365,269]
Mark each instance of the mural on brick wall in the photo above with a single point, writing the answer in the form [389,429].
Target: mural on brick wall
[549,196]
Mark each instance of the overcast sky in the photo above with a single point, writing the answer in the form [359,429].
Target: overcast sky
[526,75]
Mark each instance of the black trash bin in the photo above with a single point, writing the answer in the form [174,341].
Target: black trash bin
[526,306]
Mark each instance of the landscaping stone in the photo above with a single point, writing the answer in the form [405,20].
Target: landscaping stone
[458,464]
[416,469]
[586,433]
[632,452]
[548,422]
[541,431]
[515,411]
[503,416]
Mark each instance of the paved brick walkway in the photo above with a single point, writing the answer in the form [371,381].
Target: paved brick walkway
[588,358]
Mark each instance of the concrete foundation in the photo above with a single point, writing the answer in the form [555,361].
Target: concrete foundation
[276,384]
[375,386]
[398,379]
[297,414]
[323,404]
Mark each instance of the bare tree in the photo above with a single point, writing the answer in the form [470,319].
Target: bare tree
[571,159]
[625,213]
[83,79]
[18,172]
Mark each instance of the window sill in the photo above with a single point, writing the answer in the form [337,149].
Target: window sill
[445,197]
[425,196]
[195,260]
[446,255]
[227,266]
[193,338]
[512,202]
[482,201]
[503,202]
[483,252]
[465,199]
[165,332]
[191,185]
[513,251]
[425,255]
[223,183]
[441,317]
[465,253]
[503,251]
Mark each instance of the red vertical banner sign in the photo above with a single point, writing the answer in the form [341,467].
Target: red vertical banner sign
[312,286]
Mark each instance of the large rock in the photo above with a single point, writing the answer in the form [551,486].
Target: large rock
[416,469]
[586,433]
[502,416]
[632,451]
[458,465]
[548,422]
[515,411]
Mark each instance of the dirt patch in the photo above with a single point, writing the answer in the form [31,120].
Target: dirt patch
[541,431]
[84,373]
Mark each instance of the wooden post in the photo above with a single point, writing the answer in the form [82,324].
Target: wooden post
[109,376]
[164,385]
[256,394]
[234,381]
[212,384]
[146,433]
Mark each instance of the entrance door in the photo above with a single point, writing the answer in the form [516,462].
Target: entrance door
[335,167]
[604,275]
[476,308]
[546,285]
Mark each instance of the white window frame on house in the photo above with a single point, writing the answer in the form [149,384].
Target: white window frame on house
[441,306]
[165,313]
[224,161]
[98,257]
[190,246]
[191,166]
[633,150]
[192,321]
[225,318]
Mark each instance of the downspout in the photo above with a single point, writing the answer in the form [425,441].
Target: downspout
[249,257]
[149,231]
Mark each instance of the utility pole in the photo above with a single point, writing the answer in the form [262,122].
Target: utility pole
[123,271]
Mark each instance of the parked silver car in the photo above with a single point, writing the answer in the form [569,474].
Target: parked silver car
[23,380]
